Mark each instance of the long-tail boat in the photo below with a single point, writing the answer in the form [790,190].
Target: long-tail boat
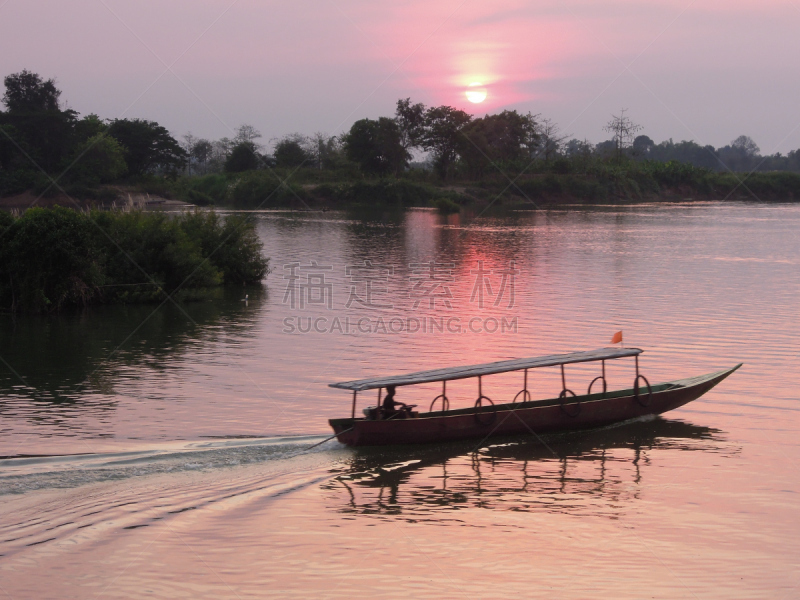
[567,411]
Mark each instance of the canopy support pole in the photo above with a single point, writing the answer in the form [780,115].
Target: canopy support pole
[526,395]
[637,365]
[563,379]
[480,389]
[353,412]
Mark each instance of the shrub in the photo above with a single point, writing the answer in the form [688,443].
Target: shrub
[585,189]
[153,251]
[389,191]
[230,244]
[446,206]
[264,189]
[57,258]
[561,166]
[49,259]
[204,190]
[16,182]
[539,187]
[99,159]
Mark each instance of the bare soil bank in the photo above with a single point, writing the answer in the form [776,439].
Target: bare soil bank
[125,199]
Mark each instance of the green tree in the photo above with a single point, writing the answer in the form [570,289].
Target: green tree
[501,139]
[247,133]
[9,153]
[643,146]
[27,92]
[201,151]
[42,131]
[376,146]
[243,157]
[149,147]
[289,152]
[580,153]
[410,119]
[100,159]
[443,136]
[89,126]
[326,151]
[550,139]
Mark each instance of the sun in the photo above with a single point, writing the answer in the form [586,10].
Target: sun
[476,92]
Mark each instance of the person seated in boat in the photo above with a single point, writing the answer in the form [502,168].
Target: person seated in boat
[389,407]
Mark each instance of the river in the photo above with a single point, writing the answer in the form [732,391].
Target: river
[165,451]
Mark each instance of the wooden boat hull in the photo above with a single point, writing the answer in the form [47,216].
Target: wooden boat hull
[541,416]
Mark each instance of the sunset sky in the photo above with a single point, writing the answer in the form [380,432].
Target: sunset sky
[703,70]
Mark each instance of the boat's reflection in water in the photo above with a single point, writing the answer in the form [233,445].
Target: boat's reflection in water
[596,472]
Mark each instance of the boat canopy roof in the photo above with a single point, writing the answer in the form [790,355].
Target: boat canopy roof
[502,366]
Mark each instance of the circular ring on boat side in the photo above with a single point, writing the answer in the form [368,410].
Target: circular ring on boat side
[526,396]
[605,386]
[479,416]
[563,396]
[445,402]
[636,391]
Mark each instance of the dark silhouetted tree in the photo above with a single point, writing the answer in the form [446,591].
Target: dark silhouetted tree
[149,147]
[643,147]
[376,146]
[289,152]
[499,139]
[624,131]
[746,146]
[243,157]
[326,151]
[580,153]
[247,133]
[100,159]
[741,155]
[27,92]
[410,119]
[550,139]
[443,136]
[43,134]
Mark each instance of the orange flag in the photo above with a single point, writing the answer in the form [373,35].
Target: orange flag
[617,338]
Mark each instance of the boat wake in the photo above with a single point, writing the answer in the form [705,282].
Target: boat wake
[19,475]
[80,499]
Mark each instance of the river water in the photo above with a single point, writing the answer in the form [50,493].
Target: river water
[162,451]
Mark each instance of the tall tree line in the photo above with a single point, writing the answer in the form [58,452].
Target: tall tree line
[38,136]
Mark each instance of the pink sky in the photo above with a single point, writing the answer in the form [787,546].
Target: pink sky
[702,70]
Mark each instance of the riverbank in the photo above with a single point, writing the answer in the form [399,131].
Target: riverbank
[111,198]
[560,182]
[604,184]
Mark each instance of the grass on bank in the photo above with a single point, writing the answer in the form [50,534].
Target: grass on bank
[562,180]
